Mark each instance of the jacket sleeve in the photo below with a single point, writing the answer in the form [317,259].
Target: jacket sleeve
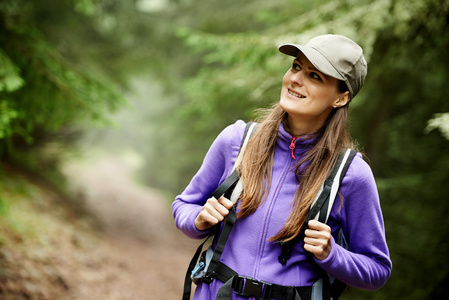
[366,264]
[216,166]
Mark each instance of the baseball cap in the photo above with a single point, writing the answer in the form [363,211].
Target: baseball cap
[336,56]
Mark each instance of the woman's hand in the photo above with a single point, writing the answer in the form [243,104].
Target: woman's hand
[318,239]
[213,212]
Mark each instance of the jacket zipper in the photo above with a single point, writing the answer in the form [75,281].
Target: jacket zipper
[265,223]
[292,146]
[275,195]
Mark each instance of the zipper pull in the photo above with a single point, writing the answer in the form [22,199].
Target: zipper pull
[292,146]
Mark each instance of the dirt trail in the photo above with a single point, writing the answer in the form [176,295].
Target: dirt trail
[149,253]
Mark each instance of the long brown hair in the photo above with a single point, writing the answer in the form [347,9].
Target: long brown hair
[257,165]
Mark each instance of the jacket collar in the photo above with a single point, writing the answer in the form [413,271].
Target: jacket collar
[304,140]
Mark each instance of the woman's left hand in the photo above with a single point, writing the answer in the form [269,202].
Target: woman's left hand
[318,239]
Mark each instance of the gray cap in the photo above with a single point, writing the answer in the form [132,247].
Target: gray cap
[336,56]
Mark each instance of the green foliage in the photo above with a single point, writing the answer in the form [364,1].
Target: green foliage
[406,88]
[63,65]
[440,121]
[10,81]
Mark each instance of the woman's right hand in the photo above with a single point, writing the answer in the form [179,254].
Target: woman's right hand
[213,212]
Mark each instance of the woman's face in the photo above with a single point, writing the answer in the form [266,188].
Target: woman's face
[308,95]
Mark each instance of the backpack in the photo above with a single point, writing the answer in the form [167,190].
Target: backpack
[208,267]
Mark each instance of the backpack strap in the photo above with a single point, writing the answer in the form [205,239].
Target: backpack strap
[225,189]
[320,211]
[190,269]
[324,200]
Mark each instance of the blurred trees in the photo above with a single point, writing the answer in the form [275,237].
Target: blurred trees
[68,64]
[63,67]
[407,88]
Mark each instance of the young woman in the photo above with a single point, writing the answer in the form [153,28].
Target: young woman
[285,162]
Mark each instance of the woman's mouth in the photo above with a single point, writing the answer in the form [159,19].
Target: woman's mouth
[295,94]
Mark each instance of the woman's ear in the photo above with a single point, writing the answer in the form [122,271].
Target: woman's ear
[342,100]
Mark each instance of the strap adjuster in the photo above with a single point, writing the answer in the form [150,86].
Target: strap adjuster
[209,277]
[250,287]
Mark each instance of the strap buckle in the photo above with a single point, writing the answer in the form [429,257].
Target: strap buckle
[209,277]
[250,287]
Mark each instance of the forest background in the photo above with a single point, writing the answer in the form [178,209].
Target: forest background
[183,70]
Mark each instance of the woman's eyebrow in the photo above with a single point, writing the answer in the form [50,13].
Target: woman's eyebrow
[311,66]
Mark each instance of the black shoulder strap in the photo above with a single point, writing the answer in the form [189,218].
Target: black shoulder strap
[224,189]
[323,203]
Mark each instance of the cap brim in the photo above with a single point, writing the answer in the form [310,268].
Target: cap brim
[316,58]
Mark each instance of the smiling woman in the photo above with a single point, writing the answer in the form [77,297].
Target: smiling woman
[272,251]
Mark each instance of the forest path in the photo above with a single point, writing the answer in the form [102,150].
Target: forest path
[151,255]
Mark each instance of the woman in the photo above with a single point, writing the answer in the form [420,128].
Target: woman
[285,163]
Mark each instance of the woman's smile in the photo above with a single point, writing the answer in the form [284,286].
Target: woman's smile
[296,94]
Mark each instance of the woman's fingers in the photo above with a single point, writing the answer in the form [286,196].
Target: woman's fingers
[213,212]
[226,203]
[216,209]
[318,239]
[317,225]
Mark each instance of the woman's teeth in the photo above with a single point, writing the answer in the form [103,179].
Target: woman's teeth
[296,94]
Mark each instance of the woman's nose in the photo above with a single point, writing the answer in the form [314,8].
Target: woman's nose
[298,78]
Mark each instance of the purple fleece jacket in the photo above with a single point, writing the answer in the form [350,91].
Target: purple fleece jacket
[365,265]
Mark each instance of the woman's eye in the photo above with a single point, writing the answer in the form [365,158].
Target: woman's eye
[315,76]
[296,66]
